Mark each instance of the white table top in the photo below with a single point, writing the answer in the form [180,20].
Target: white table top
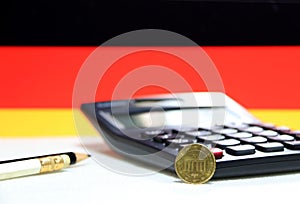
[89,182]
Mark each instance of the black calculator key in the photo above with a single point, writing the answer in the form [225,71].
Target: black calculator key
[253,129]
[268,133]
[180,141]
[240,150]
[254,140]
[270,147]
[281,138]
[164,137]
[241,135]
[293,145]
[225,131]
[210,138]
[198,133]
[226,143]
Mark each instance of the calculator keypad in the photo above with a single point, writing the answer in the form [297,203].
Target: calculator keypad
[234,139]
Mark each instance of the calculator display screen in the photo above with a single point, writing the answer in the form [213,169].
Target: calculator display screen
[202,117]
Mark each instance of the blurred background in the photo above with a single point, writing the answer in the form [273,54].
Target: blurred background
[207,22]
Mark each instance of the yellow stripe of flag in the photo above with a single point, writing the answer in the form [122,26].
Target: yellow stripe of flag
[60,122]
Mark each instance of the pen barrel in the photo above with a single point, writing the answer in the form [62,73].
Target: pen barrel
[33,166]
[21,168]
[54,163]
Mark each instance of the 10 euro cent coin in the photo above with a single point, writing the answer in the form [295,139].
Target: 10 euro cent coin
[195,164]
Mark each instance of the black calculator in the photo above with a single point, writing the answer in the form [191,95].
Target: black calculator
[153,129]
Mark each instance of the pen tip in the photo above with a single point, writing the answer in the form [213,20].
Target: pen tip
[81,156]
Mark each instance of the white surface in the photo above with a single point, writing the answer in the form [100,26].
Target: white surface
[88,182]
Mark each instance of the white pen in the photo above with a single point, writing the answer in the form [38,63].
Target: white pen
[39,164]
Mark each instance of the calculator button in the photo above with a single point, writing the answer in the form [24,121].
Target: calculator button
[270,147]
[240,150]
[225,131]
[267,125]
[225,143]
[180,141]
[253,129]
[268,133]
[217,152]
[281,138]
[294,145]
[210,138]
[283,128]
[263,125]
[198,133]
[163,138]
[241,135]
[254,140]
[296,132]
[237,126]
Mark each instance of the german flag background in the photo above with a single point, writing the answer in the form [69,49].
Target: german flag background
[255,47]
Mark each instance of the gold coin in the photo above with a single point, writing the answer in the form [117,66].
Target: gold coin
[195,164]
